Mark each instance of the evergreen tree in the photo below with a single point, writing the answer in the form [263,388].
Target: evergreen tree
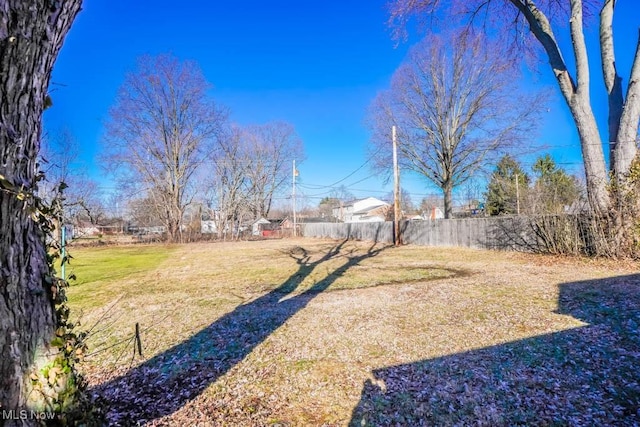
[554,188]
[503,196]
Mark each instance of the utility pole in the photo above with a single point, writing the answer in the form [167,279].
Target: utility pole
[396,190]
[293,198]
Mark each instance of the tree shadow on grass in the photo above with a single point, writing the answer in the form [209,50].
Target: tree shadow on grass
[163,384]
[584,376]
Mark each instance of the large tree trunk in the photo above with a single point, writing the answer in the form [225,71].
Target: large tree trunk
[447,190]
[31,34]
[576,94]
[627,137]
[623,113]
[592,153]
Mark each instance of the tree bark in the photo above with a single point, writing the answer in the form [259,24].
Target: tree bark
[612,80]
[447,190]
[623,113]
[592,154]
[626,144]
[31,35]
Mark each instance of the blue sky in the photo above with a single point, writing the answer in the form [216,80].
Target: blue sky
[316,65]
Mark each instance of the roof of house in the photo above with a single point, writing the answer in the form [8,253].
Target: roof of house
[354,201]
[278,220]
[378,210]
[369,208]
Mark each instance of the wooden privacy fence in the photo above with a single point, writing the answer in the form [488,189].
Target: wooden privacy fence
[370,231]
[531,234]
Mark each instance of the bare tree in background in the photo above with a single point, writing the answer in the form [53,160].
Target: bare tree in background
[337,198]
[142,212]
[160,132]
[58,155]
[456,107]
[59,158]
[273,147]
[31,35]
[342,194]
[406,201]
[526,20]
[228,190]
[250,166]
[472,192]
[429,203]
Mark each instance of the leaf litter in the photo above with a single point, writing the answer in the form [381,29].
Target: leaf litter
[479,338]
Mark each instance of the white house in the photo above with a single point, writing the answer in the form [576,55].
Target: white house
[256,228]
[362,210]
[208,227]
[435,213]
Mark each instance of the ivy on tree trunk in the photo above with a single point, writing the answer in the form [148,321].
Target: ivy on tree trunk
[31,35]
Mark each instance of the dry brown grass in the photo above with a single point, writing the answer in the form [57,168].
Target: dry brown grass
[316,332]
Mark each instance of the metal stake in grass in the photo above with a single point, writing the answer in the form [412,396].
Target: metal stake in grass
[138,341]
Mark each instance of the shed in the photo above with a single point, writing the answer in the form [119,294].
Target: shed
[256,227]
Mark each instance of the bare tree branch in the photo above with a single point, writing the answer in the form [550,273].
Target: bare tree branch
[273,147]
[160,132]
[456,106]
[542,17]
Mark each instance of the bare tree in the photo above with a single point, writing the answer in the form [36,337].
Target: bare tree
[228,190]
[543,19]
[82,197]
[31,35]
[338,197]
[472,193]
[456,107]
[273,147]
[342,194]
[58,155]
[406,201]
[430,202]
[250,166]
[160,132]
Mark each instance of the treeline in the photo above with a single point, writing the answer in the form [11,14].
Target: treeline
[175,153]
[548,190]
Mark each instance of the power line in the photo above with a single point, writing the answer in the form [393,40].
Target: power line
[317,187]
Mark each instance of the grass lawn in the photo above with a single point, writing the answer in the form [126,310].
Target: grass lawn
[97,268]
[319,332]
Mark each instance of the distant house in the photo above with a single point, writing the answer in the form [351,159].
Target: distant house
[435,213]
[87,229]
[362,210]
[154,229]
[414,218]
[208,227]
[211,227]
[271,227]
[257,227]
